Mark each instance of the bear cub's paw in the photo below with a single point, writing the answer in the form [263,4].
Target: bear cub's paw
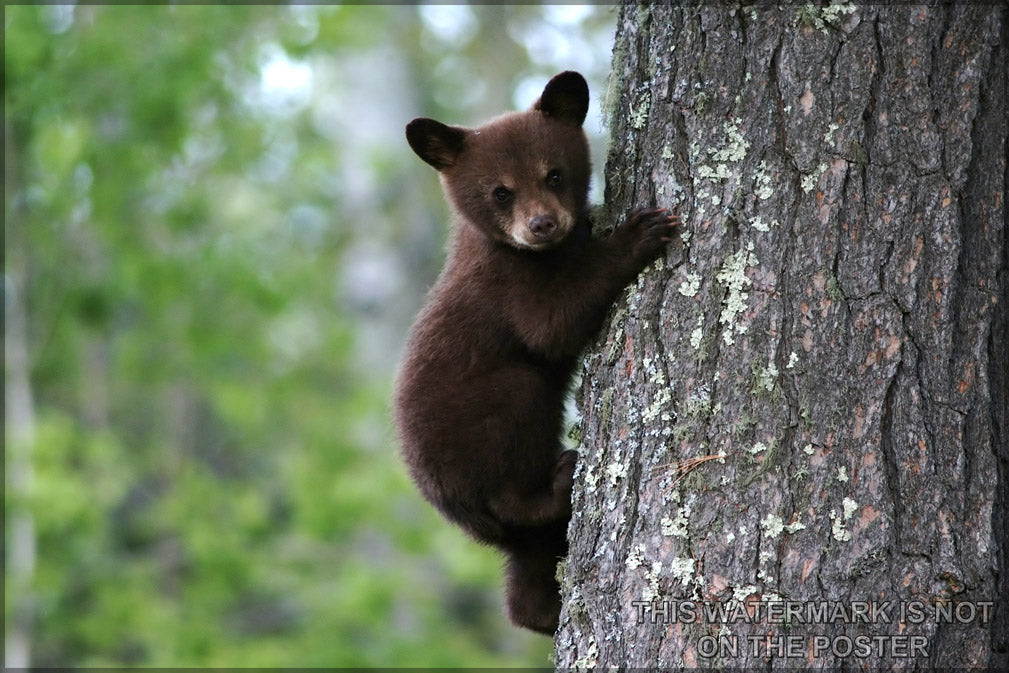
[651,229]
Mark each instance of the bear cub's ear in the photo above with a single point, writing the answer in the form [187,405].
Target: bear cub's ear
[436,143]
[565,98]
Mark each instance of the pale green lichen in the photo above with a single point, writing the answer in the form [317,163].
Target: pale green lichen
[639,112]
[764,377]
[832,12]
[808,449]
[702,102]
[771,597]
[699,402]
[849,507]
[720,172]
[733,276]
[590,478]
[764,558]
[758,447]
[809,181]
[644,15]
[837,529]
[834,291]
[772,525]
[819,17]
[828,134]
[736,146]
[690,286]
[762,182]
[842,473]
[653,575]
[733,150]
[793,358]
[635,558]
[561,573]
[591,656]
[605,407]
[617,343]
[662,398]
[698,334]
[685,235]
[676,527]
[655,375]
[795,526]
[616,471]
[740,594]
[682,569]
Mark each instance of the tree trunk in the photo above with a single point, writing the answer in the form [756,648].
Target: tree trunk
[800,416]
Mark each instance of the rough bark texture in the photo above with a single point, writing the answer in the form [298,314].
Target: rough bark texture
[830,335]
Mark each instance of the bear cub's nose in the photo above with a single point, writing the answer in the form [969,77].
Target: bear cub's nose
[542,225]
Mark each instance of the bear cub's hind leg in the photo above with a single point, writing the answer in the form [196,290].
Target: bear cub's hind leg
[519,506]
[533,591]
[534,600]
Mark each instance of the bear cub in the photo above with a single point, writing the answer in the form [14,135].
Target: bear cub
[479,400]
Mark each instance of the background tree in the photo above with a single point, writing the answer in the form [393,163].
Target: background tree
[215,239]
[806,401]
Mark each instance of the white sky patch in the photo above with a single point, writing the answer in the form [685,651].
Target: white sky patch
[284,83]
[527,91]
[569,15]
[547,44]
[449,23]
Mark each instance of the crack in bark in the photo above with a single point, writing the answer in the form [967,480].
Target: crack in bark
[891,468]
[875,89]
[933,87]
[832,70]
[883,274]
[780,127]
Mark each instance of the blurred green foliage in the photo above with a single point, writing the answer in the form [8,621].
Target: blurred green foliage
[218,237]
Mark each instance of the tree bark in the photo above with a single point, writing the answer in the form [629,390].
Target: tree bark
[803,409]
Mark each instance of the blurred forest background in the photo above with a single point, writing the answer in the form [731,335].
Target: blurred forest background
[216,237]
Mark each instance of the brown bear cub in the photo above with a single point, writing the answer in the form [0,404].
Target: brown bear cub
[480,393]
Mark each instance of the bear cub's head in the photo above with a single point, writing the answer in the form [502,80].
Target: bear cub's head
[522,178]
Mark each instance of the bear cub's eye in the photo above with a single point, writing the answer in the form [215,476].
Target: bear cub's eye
[554,178]
[502,195]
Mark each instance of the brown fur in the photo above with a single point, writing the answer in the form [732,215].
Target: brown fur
[480,393]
